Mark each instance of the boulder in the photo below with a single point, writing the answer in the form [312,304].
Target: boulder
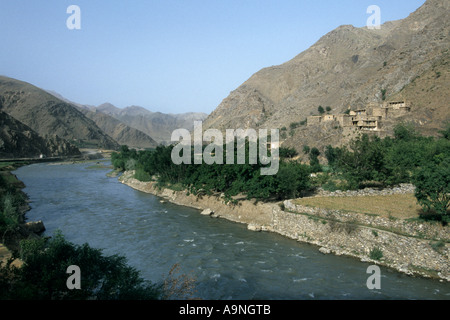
[325,250]
[253,227]
[207,212]
[35,226]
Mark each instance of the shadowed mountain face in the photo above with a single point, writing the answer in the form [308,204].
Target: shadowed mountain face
[48,115]
[351,67]
[20,141]
[122,133]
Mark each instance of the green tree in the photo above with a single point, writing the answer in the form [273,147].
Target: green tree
[331,154]
[432,182]
[405,132]
[321,110]
[446,132]
[363,160]
[292,179]
[287,152]
[314,160]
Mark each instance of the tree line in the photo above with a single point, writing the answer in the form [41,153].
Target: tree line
[407,157]
[231,180]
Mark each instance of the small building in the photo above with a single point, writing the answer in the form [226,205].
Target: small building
[367,123]
[360,112]
[399,107]
[328,117]
[345,120]
[313,120]
[380,112]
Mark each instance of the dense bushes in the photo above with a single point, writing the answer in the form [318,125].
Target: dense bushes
[388,161]
[230,179]
[406,158]
[43,274]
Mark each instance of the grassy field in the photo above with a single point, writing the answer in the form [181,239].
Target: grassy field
[400,206]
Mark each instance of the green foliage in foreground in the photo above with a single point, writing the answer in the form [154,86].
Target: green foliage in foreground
[43,275]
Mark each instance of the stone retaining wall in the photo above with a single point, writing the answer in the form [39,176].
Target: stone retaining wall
[357,235]
[431,231]
[403,188]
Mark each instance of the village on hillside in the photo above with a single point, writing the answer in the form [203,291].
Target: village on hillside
[369,119]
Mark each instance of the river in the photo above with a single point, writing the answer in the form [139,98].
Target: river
[227,260]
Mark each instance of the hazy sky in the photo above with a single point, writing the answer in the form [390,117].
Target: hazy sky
[166,55]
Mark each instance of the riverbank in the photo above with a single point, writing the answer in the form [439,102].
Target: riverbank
[16,227]
[411,247]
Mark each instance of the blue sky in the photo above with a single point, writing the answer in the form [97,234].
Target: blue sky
[171,56]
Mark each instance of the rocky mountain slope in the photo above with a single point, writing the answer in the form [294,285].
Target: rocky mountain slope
[48,115]
[119,131]
[349,68]
[19,141]
[157,125]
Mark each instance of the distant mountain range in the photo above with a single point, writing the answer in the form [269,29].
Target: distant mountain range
[36,122]
[155,124]
[351,67]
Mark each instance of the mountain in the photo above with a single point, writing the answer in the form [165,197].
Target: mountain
[157,125]
[19,141]
[119,131]
[351,67]
[48,115]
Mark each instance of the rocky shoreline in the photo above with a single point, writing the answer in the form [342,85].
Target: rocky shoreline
[418,249]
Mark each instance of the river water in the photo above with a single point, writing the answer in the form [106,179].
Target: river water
[227,260]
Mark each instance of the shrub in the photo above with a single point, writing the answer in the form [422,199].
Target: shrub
[287,152]
[376,254]
[438,246]
[130,164]
[141,175]
[321,110]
